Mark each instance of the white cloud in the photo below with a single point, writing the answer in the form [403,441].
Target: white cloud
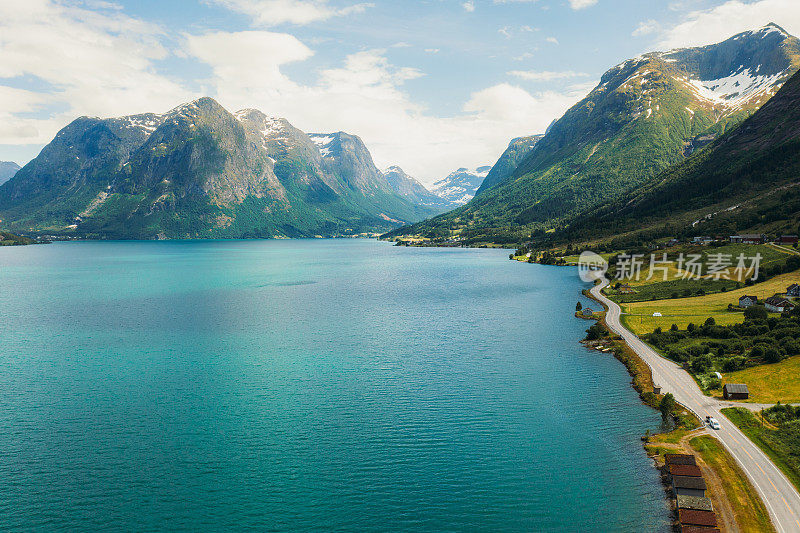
[581,4]
[718,23]
[646,28]
[105,63]
[365,96]
[91,63]
[552,40]
[469,6]
[525,55]
[258,68]
[275,12]
[546,75]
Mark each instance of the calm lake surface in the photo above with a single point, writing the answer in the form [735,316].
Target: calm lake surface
[309,386]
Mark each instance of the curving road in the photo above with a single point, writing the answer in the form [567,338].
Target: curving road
[779,495]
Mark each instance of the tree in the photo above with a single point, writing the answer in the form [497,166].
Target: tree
[578,307]
[755,312]
[673,327]
[772,355]
[667,406]
[710,321]
[594,333]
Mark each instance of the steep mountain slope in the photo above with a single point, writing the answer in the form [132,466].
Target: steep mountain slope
[199,171]
[7,170]
[414,191]
[459,187]
[505,166]
[748,180]
[646,114]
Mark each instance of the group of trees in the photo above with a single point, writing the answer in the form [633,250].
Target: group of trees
[710,347]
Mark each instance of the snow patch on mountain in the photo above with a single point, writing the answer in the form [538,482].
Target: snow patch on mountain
[739,87]
[148,123]
[323,142]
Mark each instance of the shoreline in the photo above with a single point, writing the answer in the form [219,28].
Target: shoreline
[734,479]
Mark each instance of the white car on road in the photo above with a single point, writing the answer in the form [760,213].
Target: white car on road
[712,423]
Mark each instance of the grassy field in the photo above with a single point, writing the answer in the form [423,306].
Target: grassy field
[775,383]
[673,289]
[772,442]
[682,311]
[748,509]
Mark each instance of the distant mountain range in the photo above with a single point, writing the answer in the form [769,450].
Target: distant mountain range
[415,192]
[460,186]
[199,171]
[646,115]
[7,170]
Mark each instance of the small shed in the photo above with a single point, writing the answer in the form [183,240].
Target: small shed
[679,459]
[689,486]
[690,517]
[694,502]
[657,314]
[685,470]
[735,391]
[699,529]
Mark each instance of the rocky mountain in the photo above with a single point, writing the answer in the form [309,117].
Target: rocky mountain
[414,191]
[746,181]
[460,186]
[7,170]
[199,171]
[645,115]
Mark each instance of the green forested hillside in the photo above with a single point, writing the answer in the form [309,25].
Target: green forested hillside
[747,181]
[647,114]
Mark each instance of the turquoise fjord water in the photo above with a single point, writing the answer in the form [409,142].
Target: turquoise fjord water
[309,386]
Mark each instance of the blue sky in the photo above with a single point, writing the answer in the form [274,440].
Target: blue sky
[430,85]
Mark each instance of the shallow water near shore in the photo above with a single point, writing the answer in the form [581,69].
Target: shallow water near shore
[330,385]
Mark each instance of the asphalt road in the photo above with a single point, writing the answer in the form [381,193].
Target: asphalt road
[779,495]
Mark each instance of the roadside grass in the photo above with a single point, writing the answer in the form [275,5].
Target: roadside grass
[682,311]
[774,443]
[779,382]
[748,509]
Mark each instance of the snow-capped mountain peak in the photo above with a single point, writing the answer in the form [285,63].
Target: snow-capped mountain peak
[460,186]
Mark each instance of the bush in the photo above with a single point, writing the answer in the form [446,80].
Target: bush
[733,364]
[755,312]
[710,321]
[772,355]
[595,332]
[702,364]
